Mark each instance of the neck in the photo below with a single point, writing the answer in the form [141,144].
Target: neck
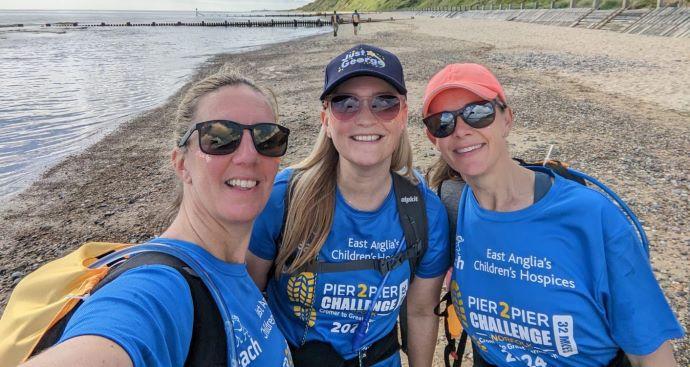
[227,242]
[364,188]
[505,187]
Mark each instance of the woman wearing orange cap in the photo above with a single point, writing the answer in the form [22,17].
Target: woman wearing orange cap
[546,271]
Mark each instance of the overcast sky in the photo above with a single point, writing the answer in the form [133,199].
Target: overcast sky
[219,5]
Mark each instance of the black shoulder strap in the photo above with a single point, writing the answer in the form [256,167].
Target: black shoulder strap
[412,213]
[413,220]
[208,344]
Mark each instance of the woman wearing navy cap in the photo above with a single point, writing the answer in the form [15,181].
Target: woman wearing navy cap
[360,234]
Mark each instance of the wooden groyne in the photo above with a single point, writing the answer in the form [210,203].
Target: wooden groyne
[284,15]
[247,23]
[663,21]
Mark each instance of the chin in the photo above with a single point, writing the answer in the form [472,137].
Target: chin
[469,170]
[239,214]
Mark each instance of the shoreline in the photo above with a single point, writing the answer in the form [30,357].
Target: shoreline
[77,114]
[118,189]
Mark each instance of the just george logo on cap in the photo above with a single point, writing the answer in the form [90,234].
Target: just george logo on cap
[364,60]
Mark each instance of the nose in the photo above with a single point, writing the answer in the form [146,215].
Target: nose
[461,128]
[246,153]
[364,116]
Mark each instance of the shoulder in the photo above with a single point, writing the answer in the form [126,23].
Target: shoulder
[280,185]
[147,310]
[594,205]
[574,193]
[283,176]
[434,206]
[155,281]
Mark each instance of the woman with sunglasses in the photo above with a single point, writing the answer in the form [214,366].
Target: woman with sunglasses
[342,214]
[227,149]
[546,272]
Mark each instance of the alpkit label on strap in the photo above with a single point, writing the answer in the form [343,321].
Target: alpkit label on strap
[409,199]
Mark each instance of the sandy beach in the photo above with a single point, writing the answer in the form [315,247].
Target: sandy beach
[616,106]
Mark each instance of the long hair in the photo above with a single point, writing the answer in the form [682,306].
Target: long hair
[312,200]
[441,171]
[224,77]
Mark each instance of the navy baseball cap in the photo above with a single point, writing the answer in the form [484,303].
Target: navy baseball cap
[364,60]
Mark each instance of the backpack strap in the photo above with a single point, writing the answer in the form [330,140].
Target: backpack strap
[208,344]
[450,192]
[412,213]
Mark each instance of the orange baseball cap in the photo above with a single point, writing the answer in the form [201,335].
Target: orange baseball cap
[472,77]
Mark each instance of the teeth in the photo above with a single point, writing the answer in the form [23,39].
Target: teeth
[245,184]
[469,149]
[366,137]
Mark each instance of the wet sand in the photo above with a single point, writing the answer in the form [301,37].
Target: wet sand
[613,105]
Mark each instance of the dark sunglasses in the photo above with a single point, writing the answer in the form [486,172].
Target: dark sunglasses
[220,137]
[476,115]
[385,107]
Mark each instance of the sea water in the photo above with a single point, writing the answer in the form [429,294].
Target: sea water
[61,92]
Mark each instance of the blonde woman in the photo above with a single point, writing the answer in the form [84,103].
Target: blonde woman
[226,153]
[332,297]
[547,272]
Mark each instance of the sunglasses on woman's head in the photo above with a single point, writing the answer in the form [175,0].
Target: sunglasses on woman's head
[476,115]
[385,107]
[220,137]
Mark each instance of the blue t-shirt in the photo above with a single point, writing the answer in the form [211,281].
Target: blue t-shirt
[327,307]
[148,311]
[563,282]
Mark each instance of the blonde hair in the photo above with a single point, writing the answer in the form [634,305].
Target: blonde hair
[309,216]
[224,77]
[441,171]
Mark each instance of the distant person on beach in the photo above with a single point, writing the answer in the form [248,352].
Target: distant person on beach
[547,272]
[335,21]
[355,21]
[340,260]
[226,151]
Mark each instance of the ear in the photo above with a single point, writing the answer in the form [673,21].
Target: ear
[405,115]
[432,138]
[324,121]
[178,160]
[509,119]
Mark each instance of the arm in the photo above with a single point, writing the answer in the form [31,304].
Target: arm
[258,269]
[88,350]
[144,317]
[421,320]
[662,357]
